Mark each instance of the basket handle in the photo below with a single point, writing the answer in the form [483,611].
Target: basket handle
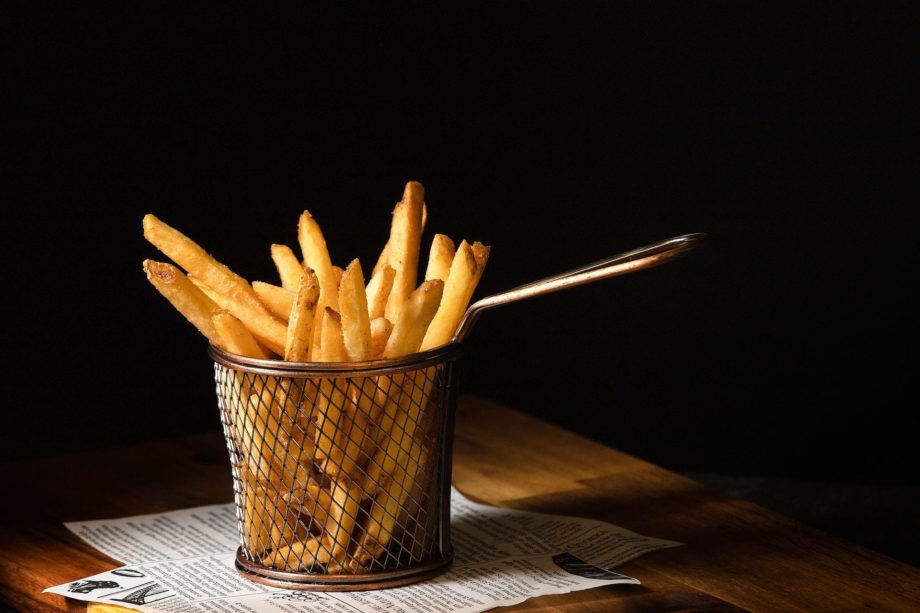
[614,266]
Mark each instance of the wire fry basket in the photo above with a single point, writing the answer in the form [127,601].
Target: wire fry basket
[341,471]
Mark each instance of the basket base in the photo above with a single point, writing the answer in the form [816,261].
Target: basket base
[341,583]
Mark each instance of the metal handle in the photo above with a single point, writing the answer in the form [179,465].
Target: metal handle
[614,266]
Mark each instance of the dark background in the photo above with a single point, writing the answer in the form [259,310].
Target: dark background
[558,134]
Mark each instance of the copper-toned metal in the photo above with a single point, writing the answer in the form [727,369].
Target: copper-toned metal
[281,368]
[341,583]
[614,266]
[341,471]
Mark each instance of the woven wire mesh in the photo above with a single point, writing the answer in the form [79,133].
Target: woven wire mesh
[337,475]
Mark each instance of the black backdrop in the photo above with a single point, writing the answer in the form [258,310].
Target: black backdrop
[558,134]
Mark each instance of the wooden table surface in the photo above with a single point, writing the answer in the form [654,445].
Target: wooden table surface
[738,555]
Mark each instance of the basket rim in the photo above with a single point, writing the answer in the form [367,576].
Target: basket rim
[413,361]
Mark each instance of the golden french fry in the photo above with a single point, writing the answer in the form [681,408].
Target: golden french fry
[346,498]
[414,318]
[406,414]
[316,256]
[395,502]
[267,329]
[440,257]
[235,336]
[356,325]
[332,343]
[196,261]
[384,258]
[340,424]
[300,330]
[405,237]
[210,293]
[300,555]
[361,426]
[276,460]
[275,442]
[187,298]
[268,523]
[347,453]
[378,290]
[314,503]
[402,409]
[331,397]
[380,333]
[289,267]
[256,524]
[405,338]
[458,289]
[278,300]
[337,273]
[481,255]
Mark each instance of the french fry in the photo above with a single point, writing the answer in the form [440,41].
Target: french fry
[316,256]
[255,501]
[337,273]
[346,498]
[278,300]
[364,411]
[264,326]
[235,336]
[440,257]
[414,318]
[464,274]
[340,424]
[384,258]
[273,451]
[380,333]
[268,523]
[402,410]
[210,293]
[404,339]
[405,237]
[458,289]
[275,441]
[196,261]
[300,555]
[188,299]
[313,501]
[356,325]
[331,397]
[332,342]
[289,267]
[378,290]
[390,505]
[302,318]
[481,255]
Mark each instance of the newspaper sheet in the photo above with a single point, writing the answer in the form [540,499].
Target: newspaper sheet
[183,561]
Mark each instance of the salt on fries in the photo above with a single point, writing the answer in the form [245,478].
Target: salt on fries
[333,467]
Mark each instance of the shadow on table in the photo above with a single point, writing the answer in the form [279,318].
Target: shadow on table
[879,517]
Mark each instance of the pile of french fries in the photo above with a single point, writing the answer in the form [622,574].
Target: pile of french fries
[331,468]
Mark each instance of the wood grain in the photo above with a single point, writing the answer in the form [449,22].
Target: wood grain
[738,556]
[736,551]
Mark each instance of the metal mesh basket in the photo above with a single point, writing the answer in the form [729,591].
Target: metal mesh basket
[341,471]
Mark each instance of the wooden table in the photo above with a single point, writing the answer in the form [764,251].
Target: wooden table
[738,555]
